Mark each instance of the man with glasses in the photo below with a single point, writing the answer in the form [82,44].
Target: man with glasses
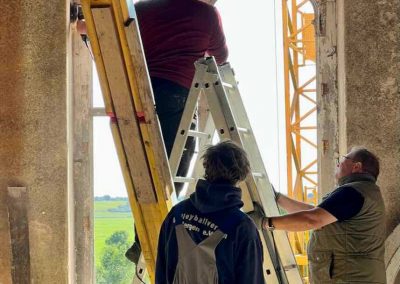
[347,244]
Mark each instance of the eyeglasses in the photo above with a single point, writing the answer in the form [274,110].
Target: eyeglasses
[342,158]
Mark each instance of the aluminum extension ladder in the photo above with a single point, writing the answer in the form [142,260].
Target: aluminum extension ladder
[227,117]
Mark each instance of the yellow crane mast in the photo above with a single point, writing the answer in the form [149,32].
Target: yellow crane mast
[300,111]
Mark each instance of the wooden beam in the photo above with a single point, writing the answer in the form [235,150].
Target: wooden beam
[82,158]
[19,234]
[125,112]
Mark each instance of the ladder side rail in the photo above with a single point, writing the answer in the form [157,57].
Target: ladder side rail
[270,272]
[267,197]
[224,129]
[186,120]
[143,99]
[235,103]
[198,170]
[231,104]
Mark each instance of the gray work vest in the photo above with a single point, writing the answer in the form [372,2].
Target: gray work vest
[196,262]
[352,251]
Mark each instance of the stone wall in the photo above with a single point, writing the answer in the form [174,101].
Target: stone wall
[363,105]
[33,123]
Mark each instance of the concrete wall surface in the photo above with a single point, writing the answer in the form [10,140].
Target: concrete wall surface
[33,123]
[369,99]
[358,61]
[371,91]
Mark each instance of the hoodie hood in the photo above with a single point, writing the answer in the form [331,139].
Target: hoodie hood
[211,197]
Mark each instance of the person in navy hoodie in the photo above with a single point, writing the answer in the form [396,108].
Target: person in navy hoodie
[213,207]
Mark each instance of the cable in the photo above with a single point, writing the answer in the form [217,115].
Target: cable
[278,140]
[85,39]
[277,95]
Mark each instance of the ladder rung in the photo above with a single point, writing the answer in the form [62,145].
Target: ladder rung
[258,175]
[290,267]
[243,130]
[99,111]
[184,179]
[227,85]
[198,134]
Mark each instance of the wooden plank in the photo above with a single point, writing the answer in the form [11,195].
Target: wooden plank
[125,111]
[19,234]
[143,93]
[145,225]
[82,161]
[136,131]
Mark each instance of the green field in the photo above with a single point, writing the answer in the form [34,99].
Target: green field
[107,222]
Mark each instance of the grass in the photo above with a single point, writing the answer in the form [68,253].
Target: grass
[106,223]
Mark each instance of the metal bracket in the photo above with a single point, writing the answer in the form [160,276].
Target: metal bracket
[75,12]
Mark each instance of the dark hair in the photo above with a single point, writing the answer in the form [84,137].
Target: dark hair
[225,162]
[368,160]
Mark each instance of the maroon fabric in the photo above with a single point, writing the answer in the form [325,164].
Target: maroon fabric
[175,33]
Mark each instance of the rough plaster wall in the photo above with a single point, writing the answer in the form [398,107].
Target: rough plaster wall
[10,82]
[327,94]
[372,99]
[372,54]
[365,97]
[33,148]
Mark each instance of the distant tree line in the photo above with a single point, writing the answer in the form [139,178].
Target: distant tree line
[109,198]
[121,208]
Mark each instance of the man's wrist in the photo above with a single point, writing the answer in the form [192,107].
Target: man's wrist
[263,223]
[267,224]
[277,195]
